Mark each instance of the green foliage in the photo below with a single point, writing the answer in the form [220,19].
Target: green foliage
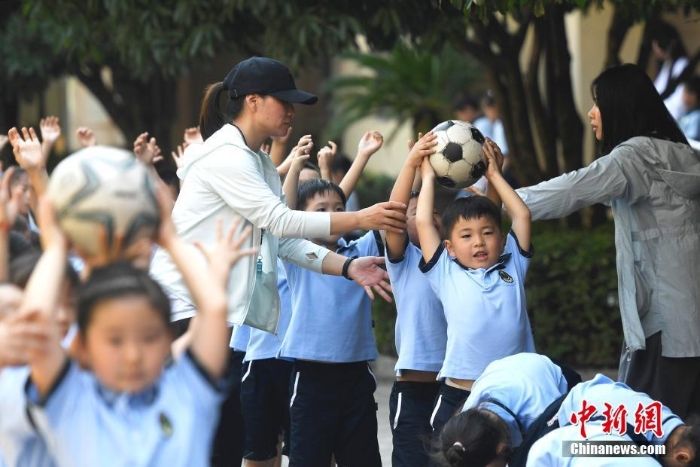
[408,83]
[572,295]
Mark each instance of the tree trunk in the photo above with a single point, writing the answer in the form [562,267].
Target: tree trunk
[543,127]
[616,36]
[9,114]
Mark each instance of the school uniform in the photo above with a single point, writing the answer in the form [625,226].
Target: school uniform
[548,451]
[332,407]
[169,424]
[20,444]
[265,384]
[486,318]
[229,438]
[518,389]
[421,337]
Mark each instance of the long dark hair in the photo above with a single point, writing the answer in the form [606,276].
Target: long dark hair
[630,106]
[213,115]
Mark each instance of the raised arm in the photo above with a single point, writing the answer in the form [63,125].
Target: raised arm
[29,155]
[491,192]
[396,242]
[50,132]
[325,158]
[8,214]
[516,208]
[211,334]
[299,158]
[368,145]
[427,233]
[41,296]
[86,137]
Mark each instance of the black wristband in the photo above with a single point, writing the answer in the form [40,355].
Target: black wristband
[346,266]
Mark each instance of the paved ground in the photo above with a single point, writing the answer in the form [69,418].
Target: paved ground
[384,371]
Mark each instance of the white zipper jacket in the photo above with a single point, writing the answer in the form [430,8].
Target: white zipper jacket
[223,178]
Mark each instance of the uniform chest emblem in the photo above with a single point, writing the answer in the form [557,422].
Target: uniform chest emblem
[165,425]
[505,276]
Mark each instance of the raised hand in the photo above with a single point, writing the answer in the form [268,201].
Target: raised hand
[147,151]
[389,215]
[179,157]
[86,137]
[8,207]
[427,173]
[301,153]
[366,271]
[325,157]
[423,148]
[192,136]
[370,143]
[50,129]
[27,149]
[227,250]
[494,158]
[22,337]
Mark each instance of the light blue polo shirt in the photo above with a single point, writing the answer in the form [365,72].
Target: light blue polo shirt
[263,344]
[525,383]
[172,424]
[20,445]
[484,308]
[421,328]
[548,450]
[331,316]
[240,338]
[601,389]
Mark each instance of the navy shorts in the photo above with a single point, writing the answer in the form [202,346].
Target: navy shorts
[333,414]
[410,406]
[448,402]
[265,407]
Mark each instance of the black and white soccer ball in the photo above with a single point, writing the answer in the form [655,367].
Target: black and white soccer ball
[104,186]
[459,159]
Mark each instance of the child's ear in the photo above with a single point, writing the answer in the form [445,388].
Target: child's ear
[683,455]
[450,249]
[78,351]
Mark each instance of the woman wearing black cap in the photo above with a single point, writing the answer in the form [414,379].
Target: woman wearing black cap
[229,176]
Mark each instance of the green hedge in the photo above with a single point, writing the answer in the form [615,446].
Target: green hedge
[571,290]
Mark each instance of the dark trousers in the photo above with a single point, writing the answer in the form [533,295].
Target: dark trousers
[448,402]
[410,407]
[333,414]
[673,381]
[230,434]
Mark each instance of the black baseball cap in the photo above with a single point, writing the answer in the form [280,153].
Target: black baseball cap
[262,75]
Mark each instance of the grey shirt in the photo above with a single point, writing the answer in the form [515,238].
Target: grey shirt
[653,187]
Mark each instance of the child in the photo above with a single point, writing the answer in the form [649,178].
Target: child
[505,400]
[690,121]
[421,329]
[681,441]
[128,408]
[480,284]
[332,407]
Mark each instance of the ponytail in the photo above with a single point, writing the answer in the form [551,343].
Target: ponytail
[212,115]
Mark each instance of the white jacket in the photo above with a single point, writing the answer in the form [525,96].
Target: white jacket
[223,178]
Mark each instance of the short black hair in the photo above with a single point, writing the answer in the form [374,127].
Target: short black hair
[630,106]
[310,166]
[22,266]
[471,207]
[115,281]
[311,188]
[16,176]
[341,163]
[464,101]
[170,178]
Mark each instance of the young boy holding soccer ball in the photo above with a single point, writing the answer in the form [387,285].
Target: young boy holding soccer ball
[479,274]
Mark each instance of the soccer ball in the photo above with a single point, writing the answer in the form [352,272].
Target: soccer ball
[459,159]
[103,186]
